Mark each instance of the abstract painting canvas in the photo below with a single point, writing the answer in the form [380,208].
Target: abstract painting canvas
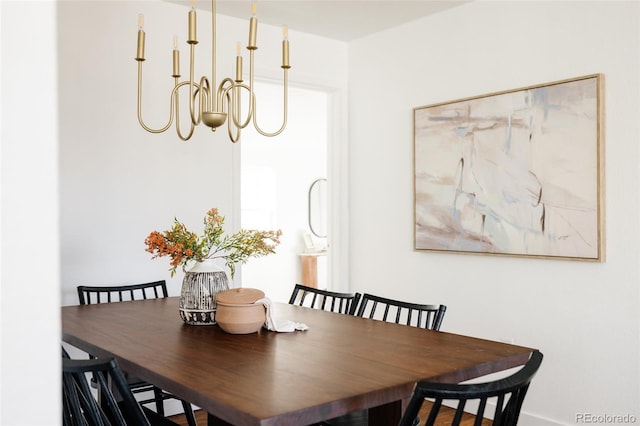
[516,173]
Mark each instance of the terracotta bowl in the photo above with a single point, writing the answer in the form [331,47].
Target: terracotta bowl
[237,313]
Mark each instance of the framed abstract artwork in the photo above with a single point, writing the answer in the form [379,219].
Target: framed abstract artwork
[515,173]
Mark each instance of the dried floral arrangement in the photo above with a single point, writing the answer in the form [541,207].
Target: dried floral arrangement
[184,246]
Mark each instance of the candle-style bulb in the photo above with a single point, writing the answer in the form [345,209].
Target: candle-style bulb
[238,64]
[141,35]
[285,32]
[253,28]
[176,58]
[193,4]
[191,38]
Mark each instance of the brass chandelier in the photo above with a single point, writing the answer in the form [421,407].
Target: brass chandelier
[206,106]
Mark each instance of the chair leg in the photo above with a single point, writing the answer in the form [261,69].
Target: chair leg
[157,393]
[188,413]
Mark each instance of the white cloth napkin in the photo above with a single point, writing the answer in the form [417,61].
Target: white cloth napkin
[282,326]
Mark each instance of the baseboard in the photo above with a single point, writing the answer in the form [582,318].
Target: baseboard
[529,419]
[525,419]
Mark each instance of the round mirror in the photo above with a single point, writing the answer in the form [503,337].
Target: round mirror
[318,208]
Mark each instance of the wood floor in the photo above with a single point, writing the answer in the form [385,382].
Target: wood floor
[444,418]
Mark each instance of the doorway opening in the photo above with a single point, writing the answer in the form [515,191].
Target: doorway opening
[276,177]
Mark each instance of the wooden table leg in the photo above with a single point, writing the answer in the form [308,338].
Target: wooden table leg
[214,421]
[385,415]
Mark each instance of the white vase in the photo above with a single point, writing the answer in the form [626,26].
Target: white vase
[200,286]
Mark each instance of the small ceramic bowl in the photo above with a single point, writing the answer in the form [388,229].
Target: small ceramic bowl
[237,311]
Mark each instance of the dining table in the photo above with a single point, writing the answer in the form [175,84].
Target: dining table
[339,365]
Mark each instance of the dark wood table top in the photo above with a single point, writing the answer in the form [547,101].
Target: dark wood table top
[341,364]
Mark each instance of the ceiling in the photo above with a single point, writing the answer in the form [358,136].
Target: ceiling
[343,20]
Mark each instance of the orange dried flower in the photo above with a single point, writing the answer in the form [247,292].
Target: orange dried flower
[183,246]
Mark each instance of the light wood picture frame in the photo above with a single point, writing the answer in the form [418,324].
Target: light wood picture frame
[515,173]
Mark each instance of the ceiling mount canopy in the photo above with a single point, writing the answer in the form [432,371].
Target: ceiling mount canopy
[210,104]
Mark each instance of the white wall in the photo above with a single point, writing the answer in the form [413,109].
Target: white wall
[583,316]
[29,261]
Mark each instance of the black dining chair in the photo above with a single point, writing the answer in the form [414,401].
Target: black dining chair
[508,394]
[152,290]
[390,310]
[112,404]
[106,294]
[344,303]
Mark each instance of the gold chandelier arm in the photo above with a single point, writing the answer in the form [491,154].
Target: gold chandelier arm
[284,120]
[174,96]
[176,104]
[205,93]
[237,138]
[234,102]
[233,138]
[230,127]
[238,111]
[222,94]
[195,119]
[224,87]
[140,120]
